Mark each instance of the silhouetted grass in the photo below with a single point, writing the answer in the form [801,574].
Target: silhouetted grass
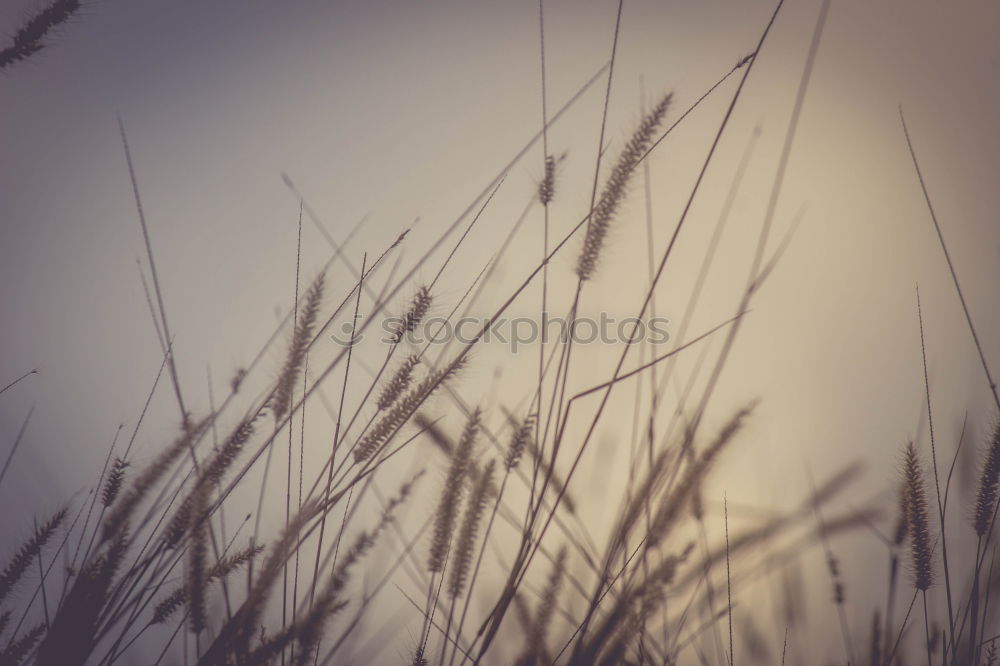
[506,532]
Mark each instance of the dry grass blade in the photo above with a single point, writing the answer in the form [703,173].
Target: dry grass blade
[622,590]
[309,630]
[679,497]
[73,632]
[609,641]
[234,639]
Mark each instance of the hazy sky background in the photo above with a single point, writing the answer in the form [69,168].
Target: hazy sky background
[401,110]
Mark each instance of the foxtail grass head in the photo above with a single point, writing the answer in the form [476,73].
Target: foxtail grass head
[989,475]
[921,567]
[447,511]
[305,325]
[616,187]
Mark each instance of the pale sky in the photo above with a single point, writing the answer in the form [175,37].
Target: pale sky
[401,110]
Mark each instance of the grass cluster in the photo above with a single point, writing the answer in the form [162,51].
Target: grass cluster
[499,566]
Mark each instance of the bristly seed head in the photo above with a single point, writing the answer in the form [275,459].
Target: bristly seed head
[986,498]
[29,38]
[25,555]
[402,410]
[919,528]
[237,379]
[518,442]
[547,605]
[281,399]
[475,505]
[615,187]
[113,484]
[547,188]
[902,518]
[419,307]
[447,511]
[399,383]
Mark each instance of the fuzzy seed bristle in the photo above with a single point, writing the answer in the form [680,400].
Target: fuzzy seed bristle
[142,484]
[236,633]
[211,475]
[197,574]
[447,511]
[986,498]
[309,630]
[113,484]
[401,411]
[474,508]
[876,641]
[74,627]
[237,381]
[919,528]
[225,566]
[547,188]
[399,383]
[615,188]
[537,636]
[833,564]
[902,518]
[419,307]
[28,39]
[518,442]
[671,507]
[17,651]
[28,551]
[305,323]
[228,452]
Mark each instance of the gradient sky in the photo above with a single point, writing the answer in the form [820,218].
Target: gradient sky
[401,110]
